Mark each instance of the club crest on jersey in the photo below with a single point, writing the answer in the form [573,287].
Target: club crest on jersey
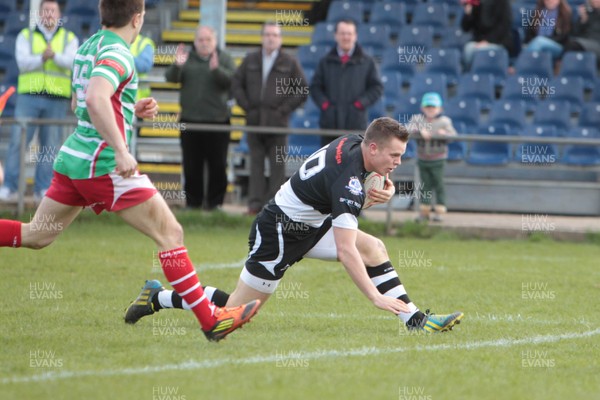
[354,186]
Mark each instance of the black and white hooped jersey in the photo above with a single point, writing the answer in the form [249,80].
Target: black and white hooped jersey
[330,182]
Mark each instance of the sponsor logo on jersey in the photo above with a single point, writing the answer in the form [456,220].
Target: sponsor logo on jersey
[351,203]
[354,186]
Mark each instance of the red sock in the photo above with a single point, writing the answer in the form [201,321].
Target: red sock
[10,233]
[181,274]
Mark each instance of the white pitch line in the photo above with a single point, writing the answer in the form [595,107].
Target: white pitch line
[314,355]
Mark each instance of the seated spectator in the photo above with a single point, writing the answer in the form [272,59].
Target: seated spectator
[549,27]
[491,24]
[586,32]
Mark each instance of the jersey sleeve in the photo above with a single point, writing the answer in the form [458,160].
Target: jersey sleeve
[114,65]
[347,198]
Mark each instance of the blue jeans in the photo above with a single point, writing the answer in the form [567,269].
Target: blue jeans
[542,43]
[49,138]
[470,49]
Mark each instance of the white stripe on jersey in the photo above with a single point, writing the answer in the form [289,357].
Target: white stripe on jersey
[88,139]
[119,56]
[294,208]
[76,153]
[107,73]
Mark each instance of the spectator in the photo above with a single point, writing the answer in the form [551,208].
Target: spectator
[205,75]
[431,154]
[491,24]
[142,50]
[44,56]
[586,33]
[549,28]
[269,85]
[346,83]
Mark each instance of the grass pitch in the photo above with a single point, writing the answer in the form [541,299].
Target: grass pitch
[531,328]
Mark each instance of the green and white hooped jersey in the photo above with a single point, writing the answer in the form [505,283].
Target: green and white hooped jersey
[85,154]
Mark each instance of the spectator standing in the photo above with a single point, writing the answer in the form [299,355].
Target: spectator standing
[269,85]
[205,75]
[45,57]
[431,154]
[346,82]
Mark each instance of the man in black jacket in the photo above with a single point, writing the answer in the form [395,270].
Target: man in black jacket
[345,83]
[269,86]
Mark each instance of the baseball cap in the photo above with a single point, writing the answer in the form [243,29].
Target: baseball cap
[431,99]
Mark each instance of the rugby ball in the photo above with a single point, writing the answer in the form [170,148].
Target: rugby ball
[372,181]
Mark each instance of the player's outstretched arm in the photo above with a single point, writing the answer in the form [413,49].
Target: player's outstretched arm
[98,102]
[349,256]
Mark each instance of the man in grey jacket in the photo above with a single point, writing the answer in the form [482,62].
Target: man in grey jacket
[345,83]
[269,85]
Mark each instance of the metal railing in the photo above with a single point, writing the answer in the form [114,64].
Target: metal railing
[25,122]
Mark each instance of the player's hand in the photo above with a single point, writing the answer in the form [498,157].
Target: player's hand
[48,54]
[390,304]
[126,164]
[214,61]
[384,195]
[181,56]
[146,108]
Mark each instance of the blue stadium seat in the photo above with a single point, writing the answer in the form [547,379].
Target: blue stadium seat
[310,55]
[392,87]
[391,14]
[308,73]
[510,113]
[533,63]
[377,109]
[406,108]
[428,82]
[11,72]
[580,154]
[375,36]
[408,4]
[307,144]
[490,153]
[525,89]
[341,9]
[7,47]
[434,15]
[477,86]
[580,65]
[7,6]
[553,113]
[392,62]
[457,150]
[152,3]
[454,38]
[596,92]
[15,23]
[411,150]
[446,61]
[84,8]
[310,109]
[569,90]
[242,146]
[415,40]
[590,115]
[323,34]
[493,61]
[535,153]
[465,111]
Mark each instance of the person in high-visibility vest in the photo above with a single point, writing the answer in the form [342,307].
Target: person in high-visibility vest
[142,50]
[44,56]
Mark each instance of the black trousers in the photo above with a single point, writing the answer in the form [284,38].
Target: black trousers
[198,148]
